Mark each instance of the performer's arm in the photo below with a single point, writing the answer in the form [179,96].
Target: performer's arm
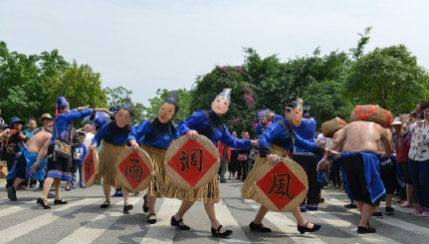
[190,124]
[77,114]
[40,156]
[233,142]
[273,131]
[101,133]
[137,133]
[308,146]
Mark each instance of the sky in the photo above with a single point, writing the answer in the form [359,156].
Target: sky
[149,45]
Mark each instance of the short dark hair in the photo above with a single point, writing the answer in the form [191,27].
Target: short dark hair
[424,104]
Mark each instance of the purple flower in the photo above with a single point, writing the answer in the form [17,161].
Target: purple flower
[249,99]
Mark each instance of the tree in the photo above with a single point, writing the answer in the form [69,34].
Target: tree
[117,97]
[184,103]
[389,77]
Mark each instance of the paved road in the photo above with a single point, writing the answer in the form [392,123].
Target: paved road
[82,221]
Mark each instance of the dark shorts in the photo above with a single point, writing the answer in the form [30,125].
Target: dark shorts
[388,176]
[403,167]
[353,167]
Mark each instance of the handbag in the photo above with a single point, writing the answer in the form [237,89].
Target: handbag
[61,149]
[242,157]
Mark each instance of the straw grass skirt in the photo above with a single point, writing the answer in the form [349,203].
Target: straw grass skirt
[160,180]
[207,192]
[248,190]
[108,156]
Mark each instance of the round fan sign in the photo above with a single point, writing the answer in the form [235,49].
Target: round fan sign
[192,164]
[90,167]
[282,187]
[134,169]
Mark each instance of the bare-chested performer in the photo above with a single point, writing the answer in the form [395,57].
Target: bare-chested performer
[360,163]
[28,157]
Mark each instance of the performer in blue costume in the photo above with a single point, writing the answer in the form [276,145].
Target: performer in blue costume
[360,161]
[306,130]
[114,136]
[277,140]
[209,124]
[155,135]
[58,168]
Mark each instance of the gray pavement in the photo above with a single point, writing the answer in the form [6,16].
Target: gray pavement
[82,221]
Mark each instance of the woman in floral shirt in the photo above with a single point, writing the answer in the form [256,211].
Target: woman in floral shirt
[418,156]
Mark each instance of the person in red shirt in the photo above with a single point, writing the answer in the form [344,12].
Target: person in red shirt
[402,146]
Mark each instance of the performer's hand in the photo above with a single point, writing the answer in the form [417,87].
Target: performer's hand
[333,152]
[134,146]
[192,134]
[82,108]
[255,143]
[93,146]
[274,159]
[34,168]
[321,163]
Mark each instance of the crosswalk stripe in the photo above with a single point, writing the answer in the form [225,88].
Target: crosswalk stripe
[50,216]
[96,226]
[287,226]
[389,220]
[23,205]
[161,231]
[226,219]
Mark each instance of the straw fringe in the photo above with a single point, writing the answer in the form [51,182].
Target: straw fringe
[207,192]
[108,156]
[248,190]
[160,180]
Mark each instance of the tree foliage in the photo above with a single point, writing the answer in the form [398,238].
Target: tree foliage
[389,77]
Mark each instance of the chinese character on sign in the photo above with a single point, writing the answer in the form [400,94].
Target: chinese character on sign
[135,172]
[281,185]
[194,158]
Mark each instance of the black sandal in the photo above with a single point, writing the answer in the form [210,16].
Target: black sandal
[145,208]
[105,204]
[151,221]
[44,203]
[176,223]
[216,232]
[59,202]
[127,207]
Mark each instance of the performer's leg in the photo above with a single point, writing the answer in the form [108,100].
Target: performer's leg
[151,200]
[211,213]
[366,213]
[186,205]
[126,196]
[260,215]
[300,220]
[17,181]
[106,189]
[57,185]
[47,187]
[359,205]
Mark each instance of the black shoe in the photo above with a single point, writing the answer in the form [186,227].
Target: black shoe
[390,210]
[145,208]
[377,214]
[44,203]
[127,207]
[151,221]
[303,229]
[364,230]
[258,227]
[59,202]
[176,223]
[105,204]
[11,193]
[216,233]
[351,205]
[222,181]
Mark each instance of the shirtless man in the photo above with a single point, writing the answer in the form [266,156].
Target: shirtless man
[29,156]
[361,142]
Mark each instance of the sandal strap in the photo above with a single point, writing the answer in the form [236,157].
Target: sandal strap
[218,228]
[178,221]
